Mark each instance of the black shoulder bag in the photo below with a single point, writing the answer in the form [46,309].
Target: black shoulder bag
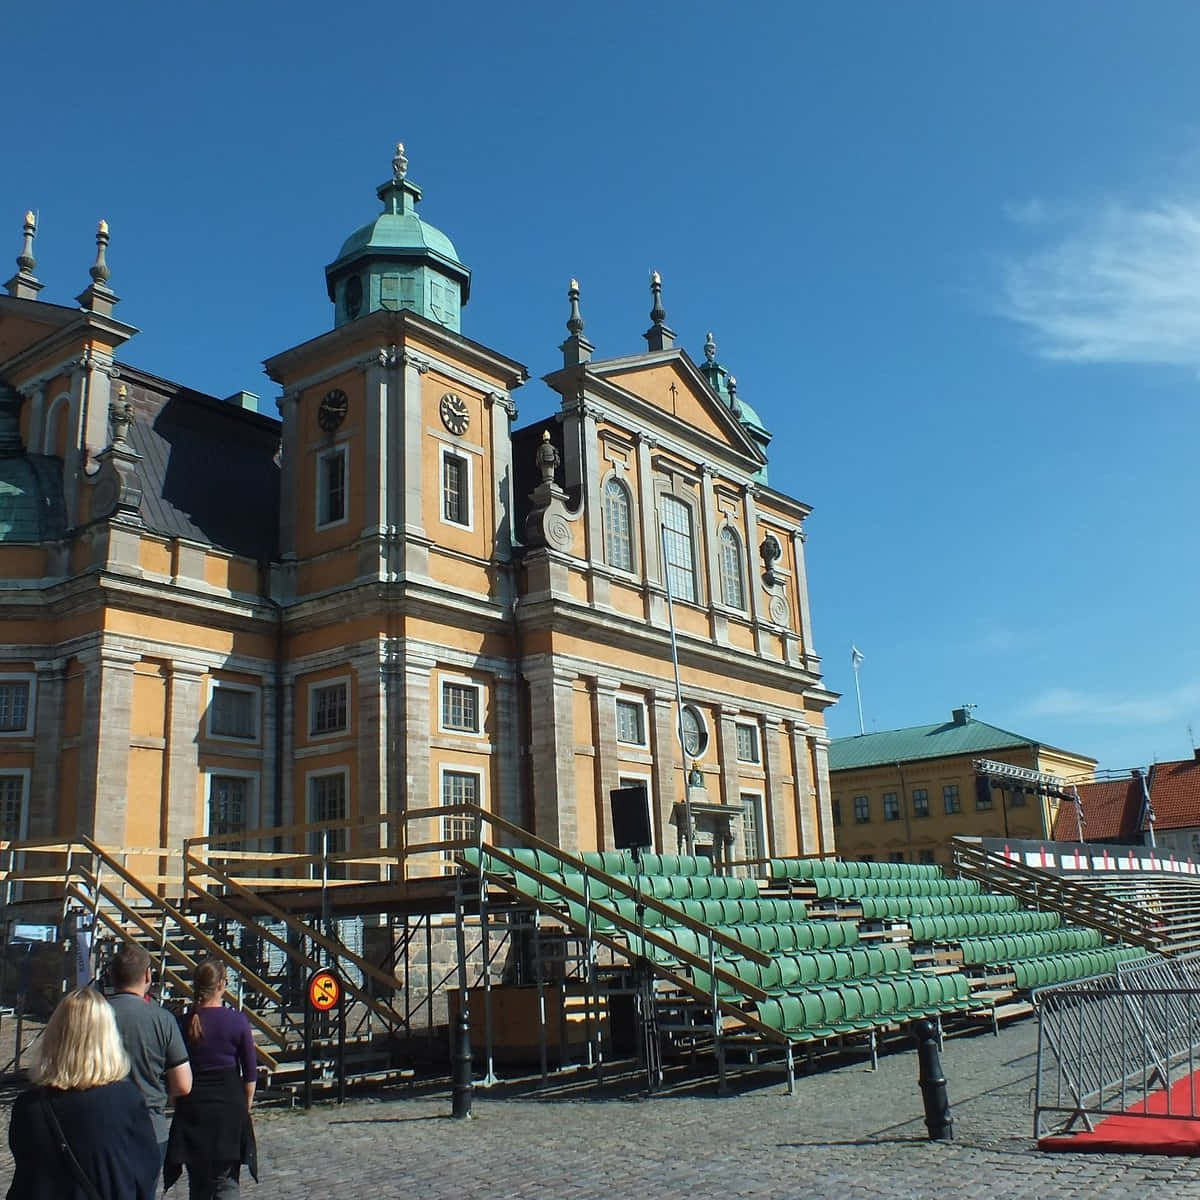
[57,1130]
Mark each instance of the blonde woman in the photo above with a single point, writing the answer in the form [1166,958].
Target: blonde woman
[212,1134]
[82,1132]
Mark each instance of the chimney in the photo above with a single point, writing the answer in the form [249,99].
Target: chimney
[960,716]
[246,400]
[1196,753]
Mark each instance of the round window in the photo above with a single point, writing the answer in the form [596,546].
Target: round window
[695,736]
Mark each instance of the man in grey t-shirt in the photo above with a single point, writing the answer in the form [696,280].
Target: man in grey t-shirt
[158,1057]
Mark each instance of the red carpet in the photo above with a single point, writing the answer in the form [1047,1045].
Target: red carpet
[1126,1134]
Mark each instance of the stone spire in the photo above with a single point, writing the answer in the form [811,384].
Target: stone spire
[98,297]
[712,370]
[576,349]
[659,336]
[24,285]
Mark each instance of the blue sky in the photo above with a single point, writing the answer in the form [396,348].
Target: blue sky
[951,252]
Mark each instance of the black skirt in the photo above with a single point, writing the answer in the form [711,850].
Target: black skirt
[212,1127]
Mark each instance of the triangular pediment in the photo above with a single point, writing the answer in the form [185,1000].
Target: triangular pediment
[671,382]
[24,323]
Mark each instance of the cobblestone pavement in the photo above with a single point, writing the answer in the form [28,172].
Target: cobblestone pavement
[847,1133]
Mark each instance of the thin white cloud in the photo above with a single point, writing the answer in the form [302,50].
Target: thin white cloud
[1176,704]
[1121,285]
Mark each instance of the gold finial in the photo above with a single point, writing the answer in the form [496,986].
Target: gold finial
[31,218]
[103,226]
[655,277]
[573,285]
[122,392]
[545,435]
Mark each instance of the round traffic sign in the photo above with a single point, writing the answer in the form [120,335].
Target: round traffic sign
[324,990]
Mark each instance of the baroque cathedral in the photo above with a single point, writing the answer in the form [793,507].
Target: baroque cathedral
[389,598]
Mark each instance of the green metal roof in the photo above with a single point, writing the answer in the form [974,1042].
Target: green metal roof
[921,741]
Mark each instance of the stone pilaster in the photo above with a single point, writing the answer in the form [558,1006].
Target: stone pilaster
[604,721]
[104,754]
[727,745]
[35,395]
[508,748]
[376,464]
[47,748]
[811,660]
[185,712]
[552,746]
[290,813]
[807,827]
[775,772]
[648,509]
[754,570]
[709,572]
[824,793]
[409,432]
[665,748]
[288,405]
[372,799]
[419,786]
[500,411]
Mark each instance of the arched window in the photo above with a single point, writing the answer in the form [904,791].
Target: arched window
[680,550]
[733,587]
[618,541]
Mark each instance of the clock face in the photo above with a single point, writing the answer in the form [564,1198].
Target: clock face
[454,413]
[333,409]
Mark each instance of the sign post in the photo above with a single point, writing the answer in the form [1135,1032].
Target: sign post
[324,994]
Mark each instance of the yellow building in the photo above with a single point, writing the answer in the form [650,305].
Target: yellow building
[904,793]
[211,620]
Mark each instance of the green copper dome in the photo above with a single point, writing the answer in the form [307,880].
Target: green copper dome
[398,261]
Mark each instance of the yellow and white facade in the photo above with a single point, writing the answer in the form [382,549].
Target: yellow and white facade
[389,599]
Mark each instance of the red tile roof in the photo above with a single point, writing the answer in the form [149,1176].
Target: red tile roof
[1175,794]
[1111,809]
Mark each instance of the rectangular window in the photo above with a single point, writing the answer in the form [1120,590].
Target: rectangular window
[327,802]
[680,551]
[228,807]
[631,723]
[232,712]
[460,707]
[896,856]
[458,787]
[836,806]
[925,856]
[862,810]
[12,806]
[752,826]
[747,743]
[891,807]
[920,801]
[331,487]
[14,705]
[456,489]
[329,707]
[951,799]
[983,799]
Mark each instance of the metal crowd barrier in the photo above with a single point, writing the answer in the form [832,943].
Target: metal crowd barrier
[1106,1045]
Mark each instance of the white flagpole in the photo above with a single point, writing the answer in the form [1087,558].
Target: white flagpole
[856,658]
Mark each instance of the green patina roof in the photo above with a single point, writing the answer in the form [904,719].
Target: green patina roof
[31,500]
[402,231]
[921,741]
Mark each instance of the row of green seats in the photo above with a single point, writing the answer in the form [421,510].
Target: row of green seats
[797,935]
[668,887]
[861,1006]
[838,888]
[620,862]
[952,926]
[812,868]
[816,968]
[897,908]
[1063,968]
[1007,947]
[707,912]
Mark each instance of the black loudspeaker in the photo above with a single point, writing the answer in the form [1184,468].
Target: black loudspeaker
[631,818]
[983,792]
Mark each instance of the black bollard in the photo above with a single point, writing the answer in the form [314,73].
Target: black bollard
[463,1089]
[933,1084]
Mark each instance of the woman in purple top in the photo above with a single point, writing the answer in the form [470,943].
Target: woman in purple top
[212,1134]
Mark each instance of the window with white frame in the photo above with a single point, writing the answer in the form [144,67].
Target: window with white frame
[12,804]
[733,583]
[232,711]
[331,486]
[458,787]
[679,545]
[329,707]
[747,742]
[327,801]
[631,722]
[229,801]
[695,733]
[752,826]
[460,706]
[456,488]
[16,704]
[618,526]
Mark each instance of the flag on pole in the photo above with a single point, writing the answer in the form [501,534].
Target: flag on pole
[856,656]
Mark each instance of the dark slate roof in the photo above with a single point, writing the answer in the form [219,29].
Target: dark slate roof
[921,741]
[209,469]
[31,498]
